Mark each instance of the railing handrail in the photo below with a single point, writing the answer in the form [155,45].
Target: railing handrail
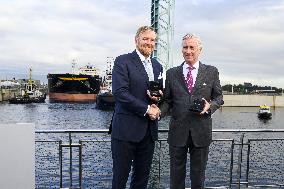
[160,130]
[71,133]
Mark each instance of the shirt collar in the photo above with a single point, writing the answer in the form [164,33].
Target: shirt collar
[142,58]
[196,65]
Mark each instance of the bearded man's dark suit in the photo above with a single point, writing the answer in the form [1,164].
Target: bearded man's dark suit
[133,133]
[188,129]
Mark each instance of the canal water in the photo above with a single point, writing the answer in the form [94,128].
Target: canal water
[86,116]
[97,156]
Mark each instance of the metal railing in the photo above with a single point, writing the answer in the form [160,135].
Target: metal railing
[227,156]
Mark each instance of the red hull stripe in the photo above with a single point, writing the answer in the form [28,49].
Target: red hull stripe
[72,97]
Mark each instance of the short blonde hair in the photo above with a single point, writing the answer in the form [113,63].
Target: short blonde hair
[142,29]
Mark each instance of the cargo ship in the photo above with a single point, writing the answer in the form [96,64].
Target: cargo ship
[82,86]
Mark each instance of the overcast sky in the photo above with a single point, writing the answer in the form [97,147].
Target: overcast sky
[243,39]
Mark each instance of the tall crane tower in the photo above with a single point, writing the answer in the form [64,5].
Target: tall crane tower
[162,20]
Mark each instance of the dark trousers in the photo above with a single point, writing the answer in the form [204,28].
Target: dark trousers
[137,154]
[198,160]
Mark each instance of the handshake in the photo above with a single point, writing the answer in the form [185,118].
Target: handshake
[154,112]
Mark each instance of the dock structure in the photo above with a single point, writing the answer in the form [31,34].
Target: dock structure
[6,94]
[237,159]
[253,100]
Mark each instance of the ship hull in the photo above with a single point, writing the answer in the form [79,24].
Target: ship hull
[264,115]
[64,97]
[27,100]
[73,87]
[105,101]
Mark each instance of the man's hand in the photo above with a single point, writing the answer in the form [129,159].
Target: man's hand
[206,107]
[154,98]
[154,112]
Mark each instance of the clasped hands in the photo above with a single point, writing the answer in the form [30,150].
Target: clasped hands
[154,111]
[206,107]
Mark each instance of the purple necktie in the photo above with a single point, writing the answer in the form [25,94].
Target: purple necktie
[189,79]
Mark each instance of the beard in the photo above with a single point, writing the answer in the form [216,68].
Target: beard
[146,50]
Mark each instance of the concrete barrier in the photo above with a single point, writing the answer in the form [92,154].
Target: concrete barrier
[17,144]
[253,100]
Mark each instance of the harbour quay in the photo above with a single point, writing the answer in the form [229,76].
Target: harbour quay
[6,94]
[253,100]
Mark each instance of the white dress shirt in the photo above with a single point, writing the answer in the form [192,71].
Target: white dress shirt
[194,72]
[142,58]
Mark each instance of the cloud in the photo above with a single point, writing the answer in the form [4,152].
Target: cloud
[243,39]
[52,33]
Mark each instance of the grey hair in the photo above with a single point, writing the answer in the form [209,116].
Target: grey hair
[193,36]
[142,29]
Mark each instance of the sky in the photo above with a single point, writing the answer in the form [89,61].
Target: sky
[243,39]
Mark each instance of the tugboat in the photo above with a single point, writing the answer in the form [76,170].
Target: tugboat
[264,112]
[30,94]
[105,99]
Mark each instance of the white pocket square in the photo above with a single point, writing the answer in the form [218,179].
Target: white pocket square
[204,84]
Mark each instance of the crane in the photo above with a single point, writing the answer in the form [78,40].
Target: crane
[162,20]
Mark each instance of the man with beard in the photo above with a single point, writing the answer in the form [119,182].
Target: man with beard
[134,125]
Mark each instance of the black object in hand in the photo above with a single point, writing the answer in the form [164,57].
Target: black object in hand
[154,88]
[197,106]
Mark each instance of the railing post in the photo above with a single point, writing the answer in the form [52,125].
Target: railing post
[248,156]
[70,145]
[60,162]
[231,164]
[239,170]
[80,163]
[70,156]
[160,143]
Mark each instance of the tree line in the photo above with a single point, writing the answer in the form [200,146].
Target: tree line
[248,88]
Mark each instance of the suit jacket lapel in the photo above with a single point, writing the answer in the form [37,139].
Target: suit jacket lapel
[136,60]
[156,69]
[200,77]
[180,77]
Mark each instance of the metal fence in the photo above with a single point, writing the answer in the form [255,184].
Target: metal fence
[237,159]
